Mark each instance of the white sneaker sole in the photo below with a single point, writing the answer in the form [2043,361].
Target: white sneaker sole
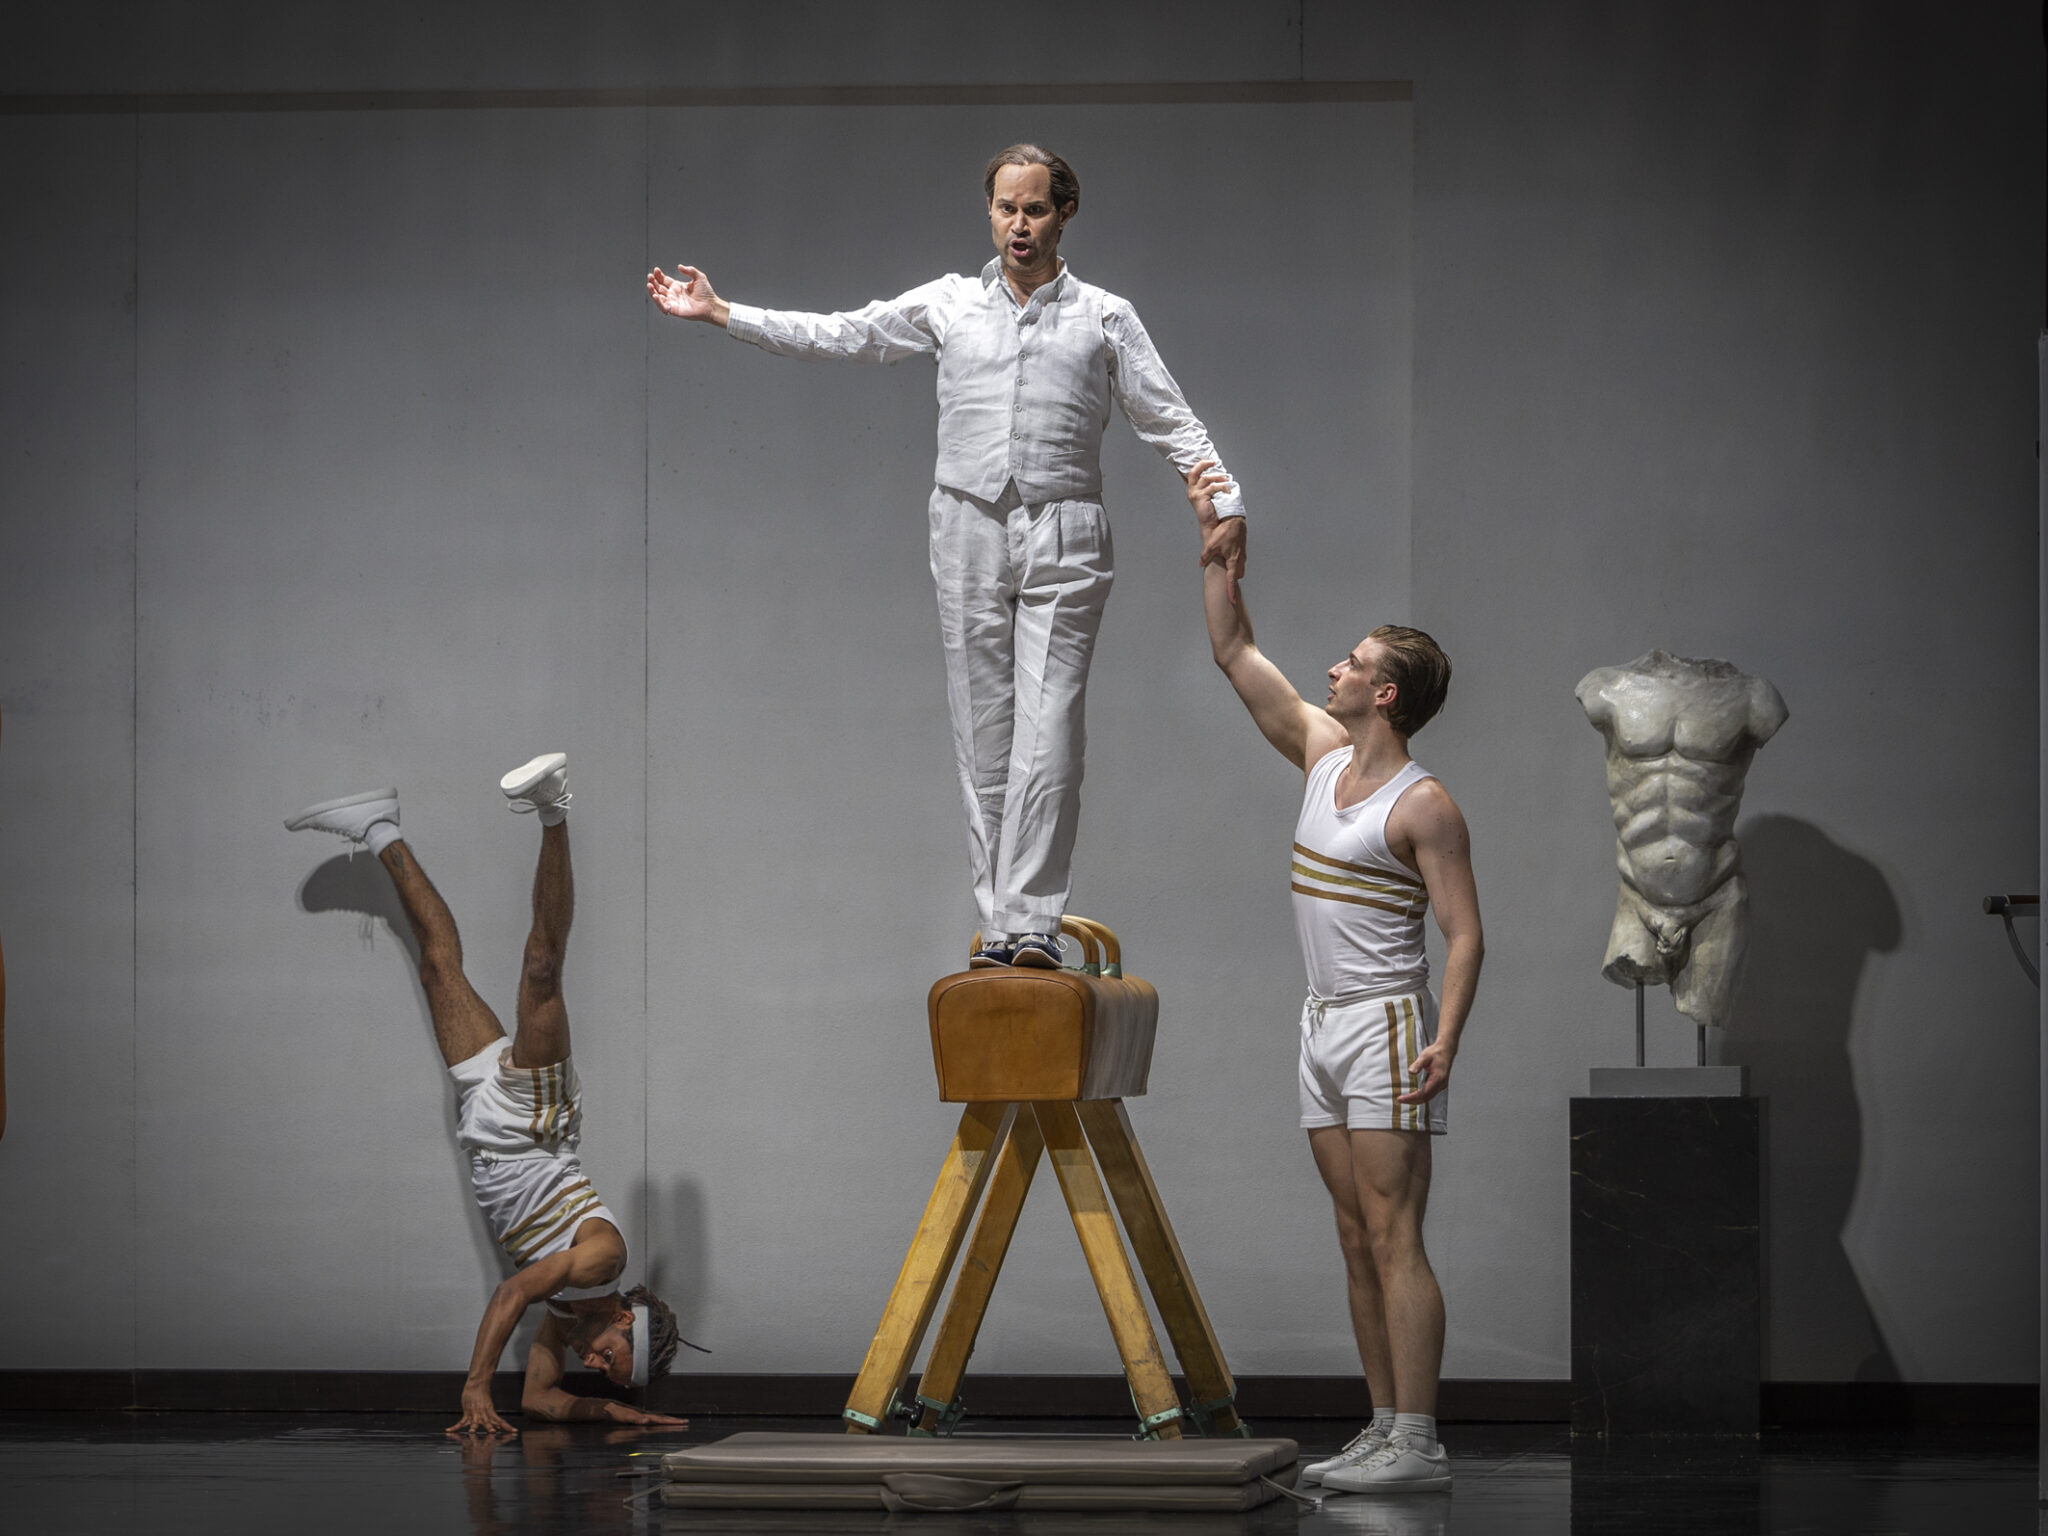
[520,780]
[1440,1483]
[298,823]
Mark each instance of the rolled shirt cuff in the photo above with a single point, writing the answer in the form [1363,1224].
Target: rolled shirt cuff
[1229,503]
[743,321]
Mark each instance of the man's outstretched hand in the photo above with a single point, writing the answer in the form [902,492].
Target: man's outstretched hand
[1223,538]
[688,295]
[478,1416]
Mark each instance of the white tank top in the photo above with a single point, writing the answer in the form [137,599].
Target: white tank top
[534,1206]
[1357,909]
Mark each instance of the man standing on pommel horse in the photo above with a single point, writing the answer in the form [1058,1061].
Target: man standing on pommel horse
[1030,360]
[520,1119]
[1379,842]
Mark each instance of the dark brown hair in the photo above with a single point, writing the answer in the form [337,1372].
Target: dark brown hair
[1066,186]
[1419,671]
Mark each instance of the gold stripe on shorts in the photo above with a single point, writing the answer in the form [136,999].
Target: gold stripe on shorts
[1415,1111]
[1393,1063]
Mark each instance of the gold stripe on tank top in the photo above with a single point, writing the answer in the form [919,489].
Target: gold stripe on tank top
[1357,901]
[571,1217]
[1407,893]
[547,1212]
[1358,869]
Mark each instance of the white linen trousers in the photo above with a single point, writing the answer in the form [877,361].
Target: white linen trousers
[1021,590]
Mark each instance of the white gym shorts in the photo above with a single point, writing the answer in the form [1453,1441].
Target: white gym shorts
[513,1111]
[1357,1058]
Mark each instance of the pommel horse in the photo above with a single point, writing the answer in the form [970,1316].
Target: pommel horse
[1043,1060]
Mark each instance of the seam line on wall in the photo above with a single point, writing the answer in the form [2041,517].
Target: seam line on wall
[646,695]
[135,736]
[1133,93]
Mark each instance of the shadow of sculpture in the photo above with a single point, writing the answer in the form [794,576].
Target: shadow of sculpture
[1817,913]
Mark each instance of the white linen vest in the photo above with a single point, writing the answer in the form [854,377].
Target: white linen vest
[1357,909]
[1024,394]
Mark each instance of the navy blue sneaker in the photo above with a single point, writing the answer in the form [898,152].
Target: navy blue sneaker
[992,952]
[1041,950]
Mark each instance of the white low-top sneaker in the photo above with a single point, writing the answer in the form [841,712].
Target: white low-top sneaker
[1360,1446]
[348,817]
[1399,1466]
[541,785]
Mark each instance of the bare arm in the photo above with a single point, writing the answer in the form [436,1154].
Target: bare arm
[594,1262]
[1299,731]
[1427,825]
[544,1398]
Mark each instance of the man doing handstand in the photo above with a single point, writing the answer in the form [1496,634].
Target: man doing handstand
[1379,841]
[520,1120]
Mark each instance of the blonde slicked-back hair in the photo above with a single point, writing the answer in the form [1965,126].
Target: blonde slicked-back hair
[1066,186]
[1419,671]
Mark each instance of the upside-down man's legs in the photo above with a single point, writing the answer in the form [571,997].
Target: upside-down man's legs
[542,1038]
[463,1023]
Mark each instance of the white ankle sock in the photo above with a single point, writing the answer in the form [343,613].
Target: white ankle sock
[381,835]
[1419,1429]
[1383,1420]
[555,815]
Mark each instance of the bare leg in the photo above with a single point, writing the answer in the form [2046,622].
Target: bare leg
[542,1038]
[1331,1145]
[463,1024]
[1390,1170]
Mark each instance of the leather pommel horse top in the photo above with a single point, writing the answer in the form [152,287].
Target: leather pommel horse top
[1012,1034]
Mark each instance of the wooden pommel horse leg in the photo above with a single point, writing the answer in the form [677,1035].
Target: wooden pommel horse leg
[1043,1061]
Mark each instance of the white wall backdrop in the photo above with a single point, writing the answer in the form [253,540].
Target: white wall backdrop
[339,447]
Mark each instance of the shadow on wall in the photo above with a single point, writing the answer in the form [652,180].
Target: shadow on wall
[1817,912]
[357,883]
[675,1268]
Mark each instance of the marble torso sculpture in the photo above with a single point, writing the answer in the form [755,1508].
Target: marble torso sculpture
[1680,736]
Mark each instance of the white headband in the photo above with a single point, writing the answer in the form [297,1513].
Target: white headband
[642,1346]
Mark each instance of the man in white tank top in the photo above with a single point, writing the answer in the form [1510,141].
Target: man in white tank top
[520,1119]
[1378,843]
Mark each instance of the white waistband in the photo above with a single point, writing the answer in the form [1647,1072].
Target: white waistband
[1319,1006]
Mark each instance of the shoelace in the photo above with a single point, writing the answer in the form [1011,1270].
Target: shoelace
[1358,1445]
[523,807]
[1387,1454]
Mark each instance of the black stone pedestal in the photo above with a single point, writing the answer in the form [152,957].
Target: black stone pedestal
[1667,1265]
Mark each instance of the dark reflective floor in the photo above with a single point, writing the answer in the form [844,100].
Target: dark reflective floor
[224,1474]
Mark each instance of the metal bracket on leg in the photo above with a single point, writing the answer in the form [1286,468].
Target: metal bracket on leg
[1149,1424]
[1205,1415]
[944,1416]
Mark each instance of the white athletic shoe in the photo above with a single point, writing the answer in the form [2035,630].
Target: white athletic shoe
[542,786]
[1399,1466]
[348,817]
[1360,1446]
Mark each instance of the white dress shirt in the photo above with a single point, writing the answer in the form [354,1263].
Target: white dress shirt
[1024,389]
